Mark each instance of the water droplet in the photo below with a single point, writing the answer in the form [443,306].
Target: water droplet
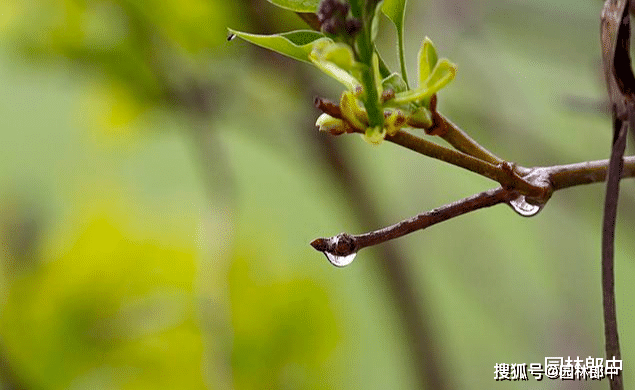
[231,36]
[340,261]
[340,250]
[524,208]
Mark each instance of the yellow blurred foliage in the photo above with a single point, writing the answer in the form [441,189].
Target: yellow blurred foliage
[113,312]
[109,112]
[285,330]
[142,51]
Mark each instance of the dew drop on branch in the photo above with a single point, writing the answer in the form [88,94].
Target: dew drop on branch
[524,208]
[339,250]
[340,261]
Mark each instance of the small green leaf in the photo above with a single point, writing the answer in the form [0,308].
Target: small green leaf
[340,54]
[394,82]
[395,10]
[354,114]
[297,5]
[427,60]
[441,75]
[421,118]
[323,54]
[295,44]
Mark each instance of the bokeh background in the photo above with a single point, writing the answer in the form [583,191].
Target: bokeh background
[159,187]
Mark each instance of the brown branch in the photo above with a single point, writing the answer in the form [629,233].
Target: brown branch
[608,248]
[310,19]
[461,141]
[615,35]
[552,178]
[345,244]
[565,176]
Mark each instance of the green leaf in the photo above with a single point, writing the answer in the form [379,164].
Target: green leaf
[295,44]
[427,60]
[340,54]
[395,10]
[394,82]
[441,75]
[336,60]
[297,5]
[351,111]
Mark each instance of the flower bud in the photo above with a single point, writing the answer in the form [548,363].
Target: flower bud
[328,124]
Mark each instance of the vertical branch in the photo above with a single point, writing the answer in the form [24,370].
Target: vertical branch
[616,164]
[615,37]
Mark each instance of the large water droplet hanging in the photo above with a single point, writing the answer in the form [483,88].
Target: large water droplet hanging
[524,208]
[340,261]
[339,250]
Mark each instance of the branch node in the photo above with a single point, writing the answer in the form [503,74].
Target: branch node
[510,169]
[438,124]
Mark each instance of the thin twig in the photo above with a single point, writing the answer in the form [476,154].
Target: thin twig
[570,175]
[498,173]
[560,176]
[345,244]
[556,178]
[466,144]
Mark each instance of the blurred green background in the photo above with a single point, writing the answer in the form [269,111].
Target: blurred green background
[159,187]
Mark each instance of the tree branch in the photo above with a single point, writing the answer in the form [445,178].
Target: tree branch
[345,244]
[608,249]
[460,140]
[555,178]
[506,174]
[565,176]
[615,33]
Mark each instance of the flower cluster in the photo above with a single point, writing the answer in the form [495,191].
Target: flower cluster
[400,105]
[334,18]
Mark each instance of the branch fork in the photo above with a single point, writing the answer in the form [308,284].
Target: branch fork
[519,186]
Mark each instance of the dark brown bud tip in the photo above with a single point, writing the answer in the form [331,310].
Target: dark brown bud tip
[319,244]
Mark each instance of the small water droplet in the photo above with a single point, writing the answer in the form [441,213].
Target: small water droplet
[340,261]
[524,208]
[231,36]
